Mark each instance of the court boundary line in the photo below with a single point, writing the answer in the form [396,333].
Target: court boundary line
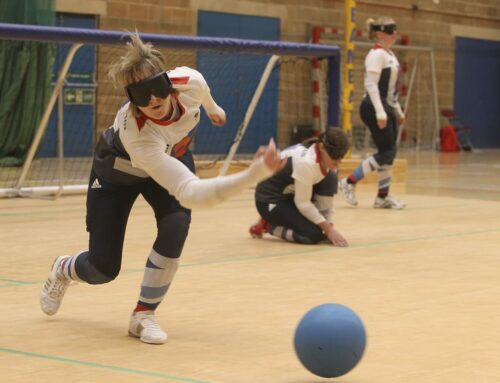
[153,374]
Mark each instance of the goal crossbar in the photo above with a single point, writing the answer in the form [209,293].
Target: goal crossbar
[100,36]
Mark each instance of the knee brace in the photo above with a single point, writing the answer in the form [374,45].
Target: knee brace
[311,238]
[386,157]
[172,232]
[87,272]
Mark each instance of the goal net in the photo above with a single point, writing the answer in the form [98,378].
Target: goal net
[264,87]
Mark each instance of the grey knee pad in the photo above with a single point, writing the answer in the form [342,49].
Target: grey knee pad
[310,238]
[89,273]
[172,232]
[386,157]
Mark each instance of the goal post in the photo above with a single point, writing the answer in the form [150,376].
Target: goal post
[84,102]
[248,115]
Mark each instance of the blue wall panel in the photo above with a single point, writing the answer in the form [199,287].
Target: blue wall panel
[477,89]
[234,81]
[78,113]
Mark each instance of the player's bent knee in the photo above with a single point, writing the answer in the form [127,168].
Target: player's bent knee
[175,223]
[386,157]
[172,232]
[98,278]
[317,239]
[94,275]
[311,238]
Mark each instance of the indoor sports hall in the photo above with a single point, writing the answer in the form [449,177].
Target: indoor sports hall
[424,280]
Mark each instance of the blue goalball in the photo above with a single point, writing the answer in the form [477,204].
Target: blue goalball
[330,340]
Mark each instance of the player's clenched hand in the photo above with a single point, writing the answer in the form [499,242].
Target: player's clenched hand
[217,120]
[382,123]
[271,155]
[401,120]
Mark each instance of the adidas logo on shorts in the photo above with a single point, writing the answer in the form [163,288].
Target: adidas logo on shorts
[96,184]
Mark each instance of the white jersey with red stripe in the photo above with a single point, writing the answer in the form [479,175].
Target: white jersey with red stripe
[152,145]
[297,180]
[142,134]
[386,65]
[306,164]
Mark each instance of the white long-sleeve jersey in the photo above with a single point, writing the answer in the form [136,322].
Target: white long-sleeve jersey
[140,135]
[137,148]
[297,180]
[381,77]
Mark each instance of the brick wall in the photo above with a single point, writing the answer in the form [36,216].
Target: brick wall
[426,24]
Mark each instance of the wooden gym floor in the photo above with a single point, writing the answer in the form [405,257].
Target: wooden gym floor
[425,281]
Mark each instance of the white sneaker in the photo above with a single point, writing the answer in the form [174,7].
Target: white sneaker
[388,203]
[54,288]
[347,191]
[143,325]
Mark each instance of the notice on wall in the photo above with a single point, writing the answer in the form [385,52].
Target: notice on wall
[78,96]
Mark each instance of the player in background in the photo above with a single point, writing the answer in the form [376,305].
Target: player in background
[296,203]
[146,152]
[381,112]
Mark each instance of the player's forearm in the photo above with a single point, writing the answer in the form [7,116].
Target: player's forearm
[399,110]
[212,108]
[308,210]
[324,204]
[209,104]
[371,86]
[193,192]
[326,227]
[302,199]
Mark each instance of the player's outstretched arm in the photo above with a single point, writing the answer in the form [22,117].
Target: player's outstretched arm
[193,192]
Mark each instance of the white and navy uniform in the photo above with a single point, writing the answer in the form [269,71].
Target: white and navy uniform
[130,149]
[139,155]
[381,101]
[298,197]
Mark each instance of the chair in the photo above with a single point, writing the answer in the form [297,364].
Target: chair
[461,131]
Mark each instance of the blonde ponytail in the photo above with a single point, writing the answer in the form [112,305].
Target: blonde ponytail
[369,28]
